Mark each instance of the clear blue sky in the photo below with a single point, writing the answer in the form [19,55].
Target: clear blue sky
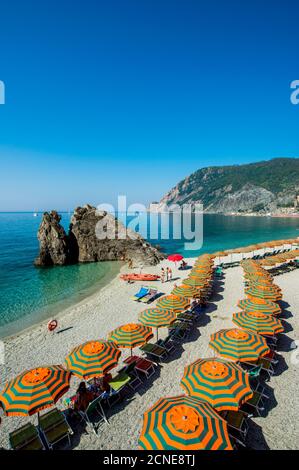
[130,96]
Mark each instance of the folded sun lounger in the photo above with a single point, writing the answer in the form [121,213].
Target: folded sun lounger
[54,427]
[154,350]
[26,438]
[141,293]
[150,296]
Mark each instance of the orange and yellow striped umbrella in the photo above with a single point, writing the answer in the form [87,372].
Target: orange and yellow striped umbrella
[200,275]
[157,317]
[93,359]
[239,345]
[253,304]
[258,322]
[223,384]
[131,335]
[264,292]
[196,282]
[256,281]
[186,291]
[183,423]
[175,303]
[34,390]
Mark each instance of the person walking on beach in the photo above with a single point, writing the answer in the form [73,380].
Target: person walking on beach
[169,274]
[162,275]
[166,274]
[130,263]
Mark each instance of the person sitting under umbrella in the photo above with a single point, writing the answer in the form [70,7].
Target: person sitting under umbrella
[83,397]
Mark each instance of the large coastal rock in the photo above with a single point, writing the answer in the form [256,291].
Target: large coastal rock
[54,246]
[93,236]
[101,237]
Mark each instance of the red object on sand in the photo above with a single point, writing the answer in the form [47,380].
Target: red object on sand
[139,277]
[175,257]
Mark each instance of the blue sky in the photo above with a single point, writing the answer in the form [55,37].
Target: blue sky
[129,96]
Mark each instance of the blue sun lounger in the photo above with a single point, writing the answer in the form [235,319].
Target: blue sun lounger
[143,291]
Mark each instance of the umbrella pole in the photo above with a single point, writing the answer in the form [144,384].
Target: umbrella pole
[157,333]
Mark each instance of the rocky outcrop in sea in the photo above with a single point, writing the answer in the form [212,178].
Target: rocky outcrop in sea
[93,236]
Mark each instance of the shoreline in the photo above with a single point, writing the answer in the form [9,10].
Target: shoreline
[58,312]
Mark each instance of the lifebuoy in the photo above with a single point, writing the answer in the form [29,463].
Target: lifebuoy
[52,325]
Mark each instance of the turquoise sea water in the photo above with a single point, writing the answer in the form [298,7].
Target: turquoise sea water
[29,295]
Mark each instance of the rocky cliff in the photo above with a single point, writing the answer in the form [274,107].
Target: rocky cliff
[263,187]
[53,241]
[93,236]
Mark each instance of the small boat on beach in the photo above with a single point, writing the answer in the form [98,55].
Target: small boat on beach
[139,277]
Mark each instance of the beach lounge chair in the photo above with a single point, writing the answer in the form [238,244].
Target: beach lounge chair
[117,385]
[54,427]
[150,296]
[186,317]
[218,271]
[26,438]
[94,413]
[267,366]
[183,326]
[154,350]
[135,381]
[141,293]
[167,343]
[256,402]
[142,365]
[236,443]
[179,331]
[236,420]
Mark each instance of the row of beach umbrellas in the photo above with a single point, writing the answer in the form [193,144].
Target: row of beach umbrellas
[192,421]
[213,384]
[258,246]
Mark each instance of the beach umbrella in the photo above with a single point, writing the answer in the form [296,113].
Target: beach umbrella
[219,254]
[34,390]
[157,317]
[239,345]
[131,335]
[223,384]
[261,292]
[175,257]
[200,274]
[258,280]
[204,262]
[198,283]
[183,423]
[173,302]
[200,271]
[253,304]
[258,322]
[93,359]
[186,291]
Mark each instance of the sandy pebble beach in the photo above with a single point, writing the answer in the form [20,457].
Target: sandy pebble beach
[96,316]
